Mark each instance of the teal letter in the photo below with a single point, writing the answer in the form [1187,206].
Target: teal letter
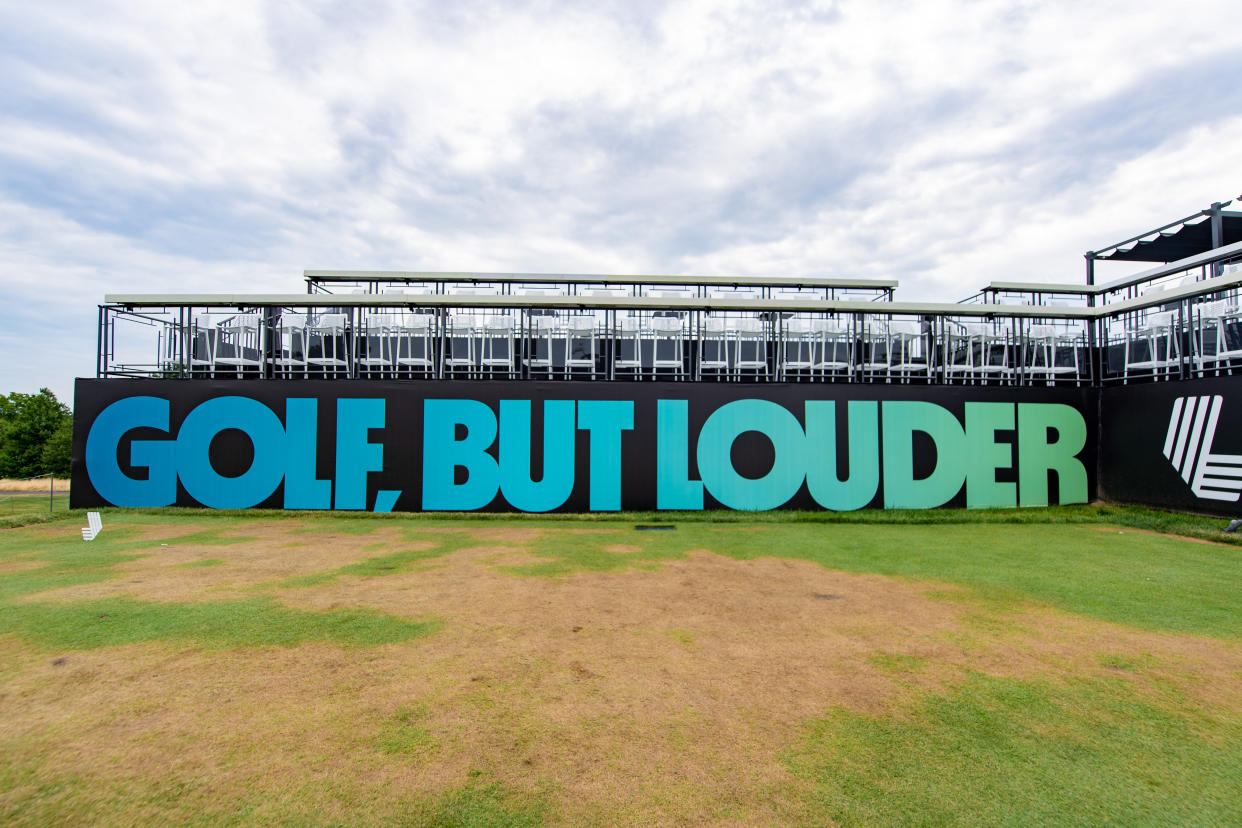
[729,422]
[160,487]
[302,489]
[863,430]
[1036,456]
[674,489]
[558,455]
[267,435]
[901,420]
[605,420]
[443,453]
[984,456]
[354,455]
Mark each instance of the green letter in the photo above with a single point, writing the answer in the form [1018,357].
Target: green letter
[984,456]
[1036,456]
[901,420]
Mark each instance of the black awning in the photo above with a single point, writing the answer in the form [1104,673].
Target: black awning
[1189,237]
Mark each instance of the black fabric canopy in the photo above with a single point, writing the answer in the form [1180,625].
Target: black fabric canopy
[1177,241]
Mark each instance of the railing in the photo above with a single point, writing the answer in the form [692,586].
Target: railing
[1164,323]
[580,284]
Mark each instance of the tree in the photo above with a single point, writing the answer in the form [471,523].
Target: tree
[58,449]
[27,423]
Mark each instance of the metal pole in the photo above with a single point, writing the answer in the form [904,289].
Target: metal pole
[1218,234]
[51,488]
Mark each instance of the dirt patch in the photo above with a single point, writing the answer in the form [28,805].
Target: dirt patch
[622,548]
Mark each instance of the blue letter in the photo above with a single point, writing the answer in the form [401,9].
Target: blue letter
[443,453]
[160,487]
[302,489]
[354,455]
[266,434]
[558,455]
[605,420]
[674,489]
[729,422]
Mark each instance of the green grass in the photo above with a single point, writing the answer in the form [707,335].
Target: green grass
[255,622]
[1007,752]
[21,508]
[64,560]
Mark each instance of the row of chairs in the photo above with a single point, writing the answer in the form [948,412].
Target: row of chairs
[1208,334]
[669,343]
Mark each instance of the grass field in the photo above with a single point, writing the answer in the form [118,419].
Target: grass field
[1077,666]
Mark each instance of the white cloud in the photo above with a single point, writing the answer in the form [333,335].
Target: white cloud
[225,146]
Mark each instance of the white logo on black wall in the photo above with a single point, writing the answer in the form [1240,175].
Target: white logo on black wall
[1188,445]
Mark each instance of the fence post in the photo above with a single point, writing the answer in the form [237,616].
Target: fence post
[51,490]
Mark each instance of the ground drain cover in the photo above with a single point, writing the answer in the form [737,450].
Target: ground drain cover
[664,527]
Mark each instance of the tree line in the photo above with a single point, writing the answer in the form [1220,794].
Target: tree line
[36,435]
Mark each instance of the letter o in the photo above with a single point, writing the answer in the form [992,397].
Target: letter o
[204,483]
[729,422]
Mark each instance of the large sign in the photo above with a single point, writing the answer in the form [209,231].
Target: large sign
[577,446]
[1174,444]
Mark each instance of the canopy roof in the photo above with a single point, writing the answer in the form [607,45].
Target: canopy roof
[1179,239]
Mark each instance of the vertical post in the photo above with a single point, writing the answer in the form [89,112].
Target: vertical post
[51,491]
[99,343]
[1218,234]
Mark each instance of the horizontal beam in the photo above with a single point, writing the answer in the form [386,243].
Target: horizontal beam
[649,303]
[1151,274]
[399,276]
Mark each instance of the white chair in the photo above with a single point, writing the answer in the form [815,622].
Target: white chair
[667,333]
[1218,335]
[239,343]
[496,345]
[290,341]
[1151,346]
[751,346]
[714,340]
[623,329]
[94,525]
[461,343]
[836,348]
[977,351]
[907,354]
[412,335]
[581,344]
[373,345]
[326,344]
[203,337]
[876,357]
[1051,352]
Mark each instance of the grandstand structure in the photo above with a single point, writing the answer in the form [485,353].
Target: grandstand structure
[1179,318]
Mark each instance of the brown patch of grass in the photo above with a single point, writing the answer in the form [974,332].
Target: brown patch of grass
[61,485]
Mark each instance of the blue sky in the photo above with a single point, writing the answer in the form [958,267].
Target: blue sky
[153,146]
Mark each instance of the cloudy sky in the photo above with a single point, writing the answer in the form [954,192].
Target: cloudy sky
[157,146]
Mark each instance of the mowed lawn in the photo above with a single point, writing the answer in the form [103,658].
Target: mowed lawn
[1074,666]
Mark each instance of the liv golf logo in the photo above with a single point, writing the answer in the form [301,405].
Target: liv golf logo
[1188,446]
